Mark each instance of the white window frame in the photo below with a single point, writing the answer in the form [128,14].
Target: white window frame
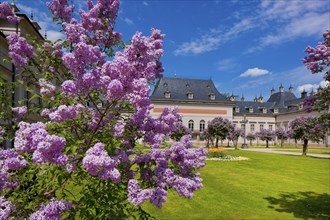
[191,124]
[167,95]
[190,96]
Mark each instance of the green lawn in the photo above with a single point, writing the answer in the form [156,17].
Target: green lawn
[268,186]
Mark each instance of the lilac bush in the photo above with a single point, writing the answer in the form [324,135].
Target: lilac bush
[234,135]
[318,61]
[251,137]
[281,134]
[266,135]
[307,128]
[219,128]
[75,154]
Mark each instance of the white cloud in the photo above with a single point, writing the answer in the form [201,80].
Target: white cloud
[128,21]
[309,24]
[54,35]
[213,39]
[145,3]
[254,72]
[205,44]
[309,87]
[227,65]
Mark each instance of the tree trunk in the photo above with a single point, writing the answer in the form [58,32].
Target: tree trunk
[266,143]
[235,143]
[295,143]
[216,142]
[250,142]
[208,143]
[228,143]
[281,142]
[305,147]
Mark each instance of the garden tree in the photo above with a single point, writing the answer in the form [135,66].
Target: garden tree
[307,128]
[251,137]
[234,134]
[219,128]
[281,134]
[179,132]
[208,137]
[292,135]
[266,135]
[78,158]
[318,61]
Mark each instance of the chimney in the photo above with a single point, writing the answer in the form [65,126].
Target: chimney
[281,88]
[291,88]
[232,97]
[255,99]
[261,99]
[272,91]
[303,94]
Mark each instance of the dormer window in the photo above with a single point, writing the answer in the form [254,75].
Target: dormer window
[167,95]
[275,110]
[190,95]
[264,110]
[236,109]
[301,106]
[250,109]
[212,96]
[165,84]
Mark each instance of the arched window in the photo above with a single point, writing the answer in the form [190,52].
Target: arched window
[201,125]
[191,125]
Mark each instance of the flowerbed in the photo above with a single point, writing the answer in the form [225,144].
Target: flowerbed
[221,154]
[228,158]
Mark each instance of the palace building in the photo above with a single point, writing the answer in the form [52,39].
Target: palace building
[199,102]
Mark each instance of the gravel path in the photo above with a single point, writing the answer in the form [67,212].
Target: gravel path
[280,151]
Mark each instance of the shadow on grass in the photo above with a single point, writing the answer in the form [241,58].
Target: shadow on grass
[302,204]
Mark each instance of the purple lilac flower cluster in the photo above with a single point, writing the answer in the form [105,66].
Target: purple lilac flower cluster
[308,128]
[64,112]
[281,133]
[9,161]
[98,163]
[136,195]
[157,129]
[184,180]
[309,102]
[19,113]
[7,13]
[19,50]
[319,57]
[46,87]
[266,135]
[52,210]
[6,207]
[33,138]
[60,9]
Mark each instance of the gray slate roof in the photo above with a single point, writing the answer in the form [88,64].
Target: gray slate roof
[257,107]
[279,98]
[201,89]
[180,87]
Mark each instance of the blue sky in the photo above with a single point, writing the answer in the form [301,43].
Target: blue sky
[245,46]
